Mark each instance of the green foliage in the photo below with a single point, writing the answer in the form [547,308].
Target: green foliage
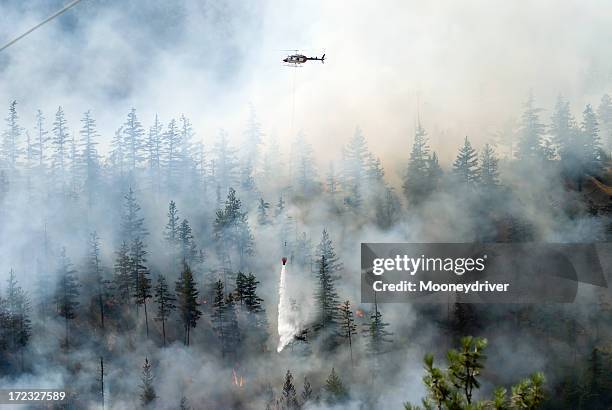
[336,392]
[147,396]
[453,388]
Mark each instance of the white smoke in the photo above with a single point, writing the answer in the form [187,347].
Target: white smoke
[288,325]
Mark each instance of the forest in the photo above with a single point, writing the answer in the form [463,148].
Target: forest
[146,274]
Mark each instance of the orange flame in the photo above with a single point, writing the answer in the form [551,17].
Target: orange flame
[236,380]
[359,313]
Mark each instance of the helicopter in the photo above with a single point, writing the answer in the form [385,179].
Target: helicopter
[296,60]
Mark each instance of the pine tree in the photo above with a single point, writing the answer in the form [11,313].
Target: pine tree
[232,230]
[122,278]
[465,166]
[154,154]
[336,392]
[280,206]
[165,303]
[67,291]
[172,155]
[90,156]
[347,325]
[532,131]
[140,277]
[187,148]
[387,209]
[305,176]
[94,267]
[188,248]
[262,212]
[232,338]
[132,224]
[289,393]
[563,129]
[326,296]
[187,302]
[133,139]
[219,311]
[225,163]
[466,364]
[306,391]
[416,185]
[11,149]
[148,395]
[378,335]
[117,155]
[591,144]
[356,164]
[60,141]
[41,139]
[171,233]
[604,114]
[488,172]
[326,248]
[17,317]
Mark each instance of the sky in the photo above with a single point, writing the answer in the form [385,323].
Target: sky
[463,68]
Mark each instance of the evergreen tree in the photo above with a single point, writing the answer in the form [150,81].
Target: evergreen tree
[187,149]
[132,224]
[172,155]
[219,311]
[16,318]
[232,230]
[604,114]
[262,212]
[563,130]
[347,325]
[165,303]
[154,149]
[188,248]
[326,248]
[387,209]
[41,139]
[187,302]
[67,291]
[140,277]
[117,156]
[133,139]
[289,394]
[305,177]
[60,142]
[90,156]
[378,335]
[356,164]
[231,334]
[225,163]
[122,278]
[171,233]
[489,174]
[280,206]
[94,268]
[466,364]
[11,149]
[306,391]
[148,395]
[531,134]
[591,144]
[416,184]
[326,296]
[465,166]
[334,388]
